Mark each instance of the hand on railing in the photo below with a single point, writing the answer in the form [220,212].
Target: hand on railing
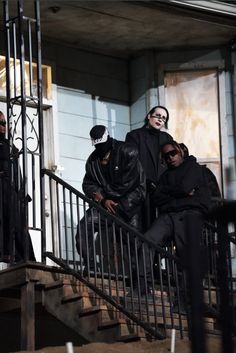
[97,196]
[110,205]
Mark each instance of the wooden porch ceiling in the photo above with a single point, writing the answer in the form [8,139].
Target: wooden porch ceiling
[122,28]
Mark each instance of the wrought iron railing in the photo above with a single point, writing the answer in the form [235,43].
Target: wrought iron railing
[113,261]
[24,116]
[110,257]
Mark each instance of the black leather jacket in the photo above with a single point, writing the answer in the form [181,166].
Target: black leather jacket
[123,182]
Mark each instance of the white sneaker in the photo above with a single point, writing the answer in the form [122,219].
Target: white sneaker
[3,265]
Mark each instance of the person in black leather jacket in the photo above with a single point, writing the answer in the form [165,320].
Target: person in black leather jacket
[115,179]
[148,140]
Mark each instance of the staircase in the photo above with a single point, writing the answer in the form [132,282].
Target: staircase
[65,308]
[86,313]
[93,318]
[96,320]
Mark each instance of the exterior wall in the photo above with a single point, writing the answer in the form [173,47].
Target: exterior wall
[90,89]
[98,75]
[142,87]
[77,113]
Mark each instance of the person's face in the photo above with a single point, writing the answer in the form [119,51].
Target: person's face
[157,119]
[172,156]
[2,124]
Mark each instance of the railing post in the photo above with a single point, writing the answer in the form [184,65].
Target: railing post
[226,318]
[41,132]
[224,215]
[195,269]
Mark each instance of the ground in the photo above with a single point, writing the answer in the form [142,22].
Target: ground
[182,346]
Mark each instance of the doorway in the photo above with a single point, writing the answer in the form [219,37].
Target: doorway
[192,101]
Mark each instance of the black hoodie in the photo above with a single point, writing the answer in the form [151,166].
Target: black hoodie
[183,188]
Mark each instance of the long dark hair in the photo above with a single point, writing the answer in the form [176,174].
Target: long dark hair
[153,110]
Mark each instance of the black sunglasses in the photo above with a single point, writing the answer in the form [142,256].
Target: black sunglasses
[3,123]
[169,154]
[160,117]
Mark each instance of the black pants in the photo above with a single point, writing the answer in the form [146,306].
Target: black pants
[15,240]
[149,212]
[99,239]
[172,226]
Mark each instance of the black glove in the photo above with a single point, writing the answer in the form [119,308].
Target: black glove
[151,186]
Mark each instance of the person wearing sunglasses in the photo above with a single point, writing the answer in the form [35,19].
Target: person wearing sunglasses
[148,140]
[182,193]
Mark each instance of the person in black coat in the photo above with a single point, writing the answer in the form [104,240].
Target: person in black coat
[14,239]
[115,179]
[148,140]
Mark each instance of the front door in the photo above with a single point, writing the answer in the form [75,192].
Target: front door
[192,100]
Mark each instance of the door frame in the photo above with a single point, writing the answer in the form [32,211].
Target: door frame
[217,65]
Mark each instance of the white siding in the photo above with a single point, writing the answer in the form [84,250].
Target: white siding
[78,112]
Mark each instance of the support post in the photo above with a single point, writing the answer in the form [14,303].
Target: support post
[28,316]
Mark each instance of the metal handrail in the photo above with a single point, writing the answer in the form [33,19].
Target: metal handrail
[104,212]
[145,308]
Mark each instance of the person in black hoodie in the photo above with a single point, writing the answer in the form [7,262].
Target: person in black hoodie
[148,140]
[182,193]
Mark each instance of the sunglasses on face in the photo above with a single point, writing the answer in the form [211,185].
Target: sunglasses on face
[169,154]
[160,117]
[3,123]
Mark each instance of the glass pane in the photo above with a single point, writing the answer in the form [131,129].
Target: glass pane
[15,75]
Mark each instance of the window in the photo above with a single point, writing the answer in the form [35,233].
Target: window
[46,74]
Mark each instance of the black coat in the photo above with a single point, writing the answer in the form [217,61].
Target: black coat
[123,182]
[11,205]
[148,142]
[176,184]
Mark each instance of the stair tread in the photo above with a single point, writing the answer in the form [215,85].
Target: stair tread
[129,338]
[92,310]
[110,323]
[52,285]
[72,297]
